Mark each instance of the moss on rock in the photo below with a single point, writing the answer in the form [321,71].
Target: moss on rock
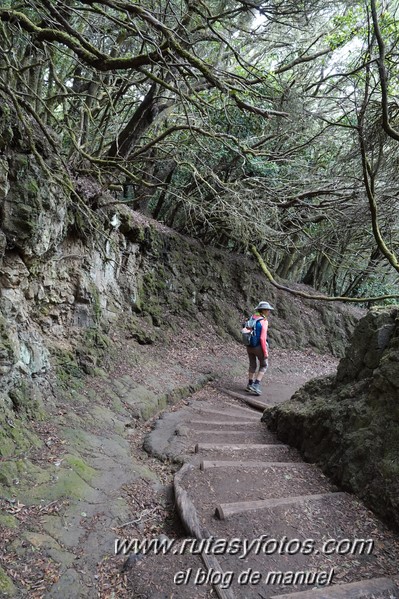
[27,400]
[69,373]
[349,424]
[78,465]
[7,349]
[15,435]
[8,521]
[7,587]
[69,485]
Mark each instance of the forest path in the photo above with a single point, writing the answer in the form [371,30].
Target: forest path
[276,524]
[113,479]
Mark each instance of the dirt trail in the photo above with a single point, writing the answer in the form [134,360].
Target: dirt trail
[275,525]
[63,545]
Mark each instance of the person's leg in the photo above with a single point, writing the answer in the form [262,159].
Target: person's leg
[263,364]
[262,371]
[252,367]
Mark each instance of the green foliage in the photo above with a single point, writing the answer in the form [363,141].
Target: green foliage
[233,128]
[373,287]
[346,27]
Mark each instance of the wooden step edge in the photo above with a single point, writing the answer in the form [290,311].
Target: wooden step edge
[192,524]
[213,566]
[207,464]
[247,399]
[237,446]
[224,510]
[256,403]
[185,506]
[223,422]
[249,413]
[214,432]
[364,589]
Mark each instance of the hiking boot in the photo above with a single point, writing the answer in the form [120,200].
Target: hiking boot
[249,387]
[255,388]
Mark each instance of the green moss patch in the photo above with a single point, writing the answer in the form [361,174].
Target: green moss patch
[16,437]
[81,468]
[349,424]
[69,373]
[7,587]
[68,486]
[27,400]
[8,521]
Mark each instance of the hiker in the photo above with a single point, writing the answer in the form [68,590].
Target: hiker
[259,353]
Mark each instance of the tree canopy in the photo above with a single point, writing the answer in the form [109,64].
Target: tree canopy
[273,123]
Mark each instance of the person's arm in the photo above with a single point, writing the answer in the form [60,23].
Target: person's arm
[263,337]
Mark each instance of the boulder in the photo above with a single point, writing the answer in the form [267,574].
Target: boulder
[349,423]
[34,209]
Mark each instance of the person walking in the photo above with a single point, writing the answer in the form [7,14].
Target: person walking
[259,353]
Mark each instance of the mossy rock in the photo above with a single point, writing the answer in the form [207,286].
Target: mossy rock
[68,372]
[9,521]
[130,228]
[22,473]
[81,440]
[141,329]
[9,472]
[149,408]
[7,349]
[16,437]
[7,443]
[68,486]
[6,128]
[27,400]
[117,406]
[91,350]
[349,424]
[79,466]
[7,587]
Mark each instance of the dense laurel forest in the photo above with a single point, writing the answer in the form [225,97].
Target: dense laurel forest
[238,122]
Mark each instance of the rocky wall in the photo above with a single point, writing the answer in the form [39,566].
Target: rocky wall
[349,423]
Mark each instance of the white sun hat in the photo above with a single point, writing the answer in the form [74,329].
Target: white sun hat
[264,306]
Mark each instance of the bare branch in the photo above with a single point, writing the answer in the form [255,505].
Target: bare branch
[325,298]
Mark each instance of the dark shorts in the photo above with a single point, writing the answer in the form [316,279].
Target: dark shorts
[255,355]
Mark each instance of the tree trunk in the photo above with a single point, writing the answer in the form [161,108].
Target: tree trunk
[142,118]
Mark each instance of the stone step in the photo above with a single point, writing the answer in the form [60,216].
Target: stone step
[244,409]
[296,544]
[224,510]
[245,425]
[206,464]
[239,446]
[216,432]
[228,436]
[242,452]
[223,422]
[227,413]
[373,588]
[222,485]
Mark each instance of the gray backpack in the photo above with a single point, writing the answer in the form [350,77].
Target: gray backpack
[250,333]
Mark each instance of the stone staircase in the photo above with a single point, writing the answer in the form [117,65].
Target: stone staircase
[277,526]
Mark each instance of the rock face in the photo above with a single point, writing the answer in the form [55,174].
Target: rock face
[349,424]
